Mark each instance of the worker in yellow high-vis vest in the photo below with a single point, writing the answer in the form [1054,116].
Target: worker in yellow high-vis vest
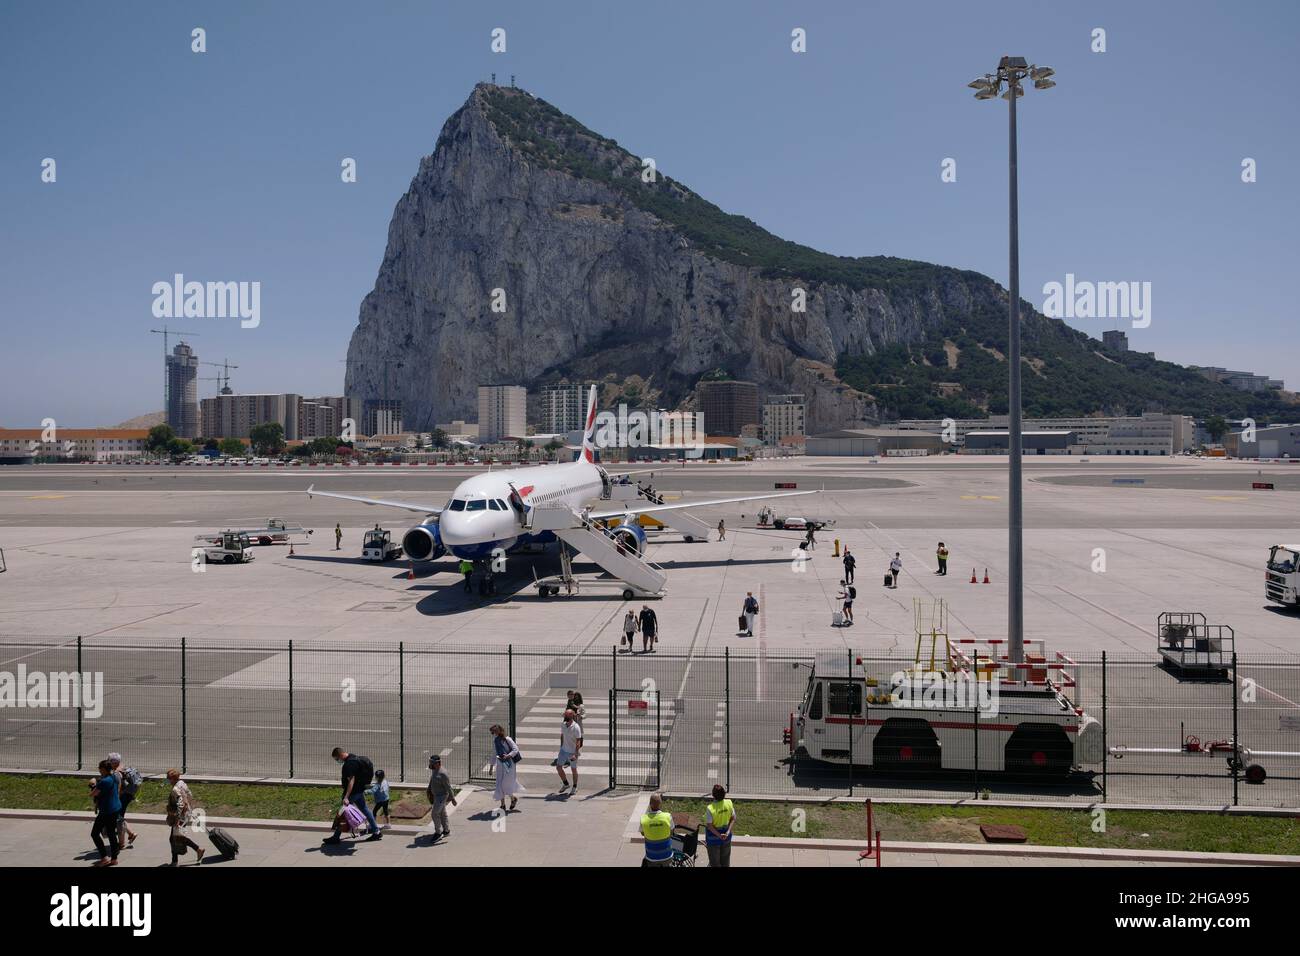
[657,828]
[719,824]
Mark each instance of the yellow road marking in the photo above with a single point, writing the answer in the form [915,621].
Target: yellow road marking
[44,497]
[1226,498]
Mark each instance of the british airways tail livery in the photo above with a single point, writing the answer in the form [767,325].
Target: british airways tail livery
[492,511]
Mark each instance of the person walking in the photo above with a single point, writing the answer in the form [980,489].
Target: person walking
[129,781]
[810,538]
[180,813]
[358,772]
[942,556]
[749,611]
[467,569]
[722,530]
[380,792]
[850,562]
[575,704]
[440,794]
[108,805]
[719,824]
[570,749]
[629,629]
[847,596]
[338,537]
[507,754]
[895,566]
[648,624]
[657,828]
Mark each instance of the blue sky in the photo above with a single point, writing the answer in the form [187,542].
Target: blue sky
[225,165]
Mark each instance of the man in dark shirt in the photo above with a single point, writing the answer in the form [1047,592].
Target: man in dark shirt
[649,628]
[358,772]
[850,562]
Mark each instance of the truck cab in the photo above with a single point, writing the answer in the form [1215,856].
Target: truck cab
[1282,575]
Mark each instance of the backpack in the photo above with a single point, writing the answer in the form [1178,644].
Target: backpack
[851,591]
[132,779]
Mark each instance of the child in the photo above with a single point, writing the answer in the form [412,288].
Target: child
[379,791]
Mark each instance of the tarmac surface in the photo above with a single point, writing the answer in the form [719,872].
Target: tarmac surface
[104,552]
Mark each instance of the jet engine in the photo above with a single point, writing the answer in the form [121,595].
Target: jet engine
[423,542]
[630,535]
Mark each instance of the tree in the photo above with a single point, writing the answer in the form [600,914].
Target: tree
[267,438]
[211,444]
[178,447]
[232,447]
[438,438]
[1217,427]
[160,436]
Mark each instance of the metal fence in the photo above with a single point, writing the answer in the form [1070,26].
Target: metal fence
[671,720]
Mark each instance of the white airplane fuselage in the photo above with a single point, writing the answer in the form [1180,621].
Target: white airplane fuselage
[480,517]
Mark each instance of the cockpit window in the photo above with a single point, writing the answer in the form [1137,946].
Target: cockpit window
[456,505]
[494,504]
[476,504]
[502,505]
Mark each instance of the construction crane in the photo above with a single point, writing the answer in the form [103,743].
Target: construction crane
[166,333]
[225,366]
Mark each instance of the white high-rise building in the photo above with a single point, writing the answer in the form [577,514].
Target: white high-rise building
[783,417]
[502,412]
[564,407]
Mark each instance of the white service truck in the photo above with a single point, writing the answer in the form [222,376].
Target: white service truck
[378,545]
[231,547]
[1282,575]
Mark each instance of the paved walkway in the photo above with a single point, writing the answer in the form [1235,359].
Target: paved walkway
[546,830]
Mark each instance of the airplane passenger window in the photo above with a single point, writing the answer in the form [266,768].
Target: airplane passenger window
[457,505]
[476,504]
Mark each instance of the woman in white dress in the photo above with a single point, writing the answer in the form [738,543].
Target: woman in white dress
[507,754]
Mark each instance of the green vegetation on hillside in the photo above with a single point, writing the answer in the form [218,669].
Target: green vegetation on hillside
[558,141]
[1065,376]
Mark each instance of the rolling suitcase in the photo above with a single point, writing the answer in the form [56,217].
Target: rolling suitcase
[744,625]
[837,619]
[889,579]
[226,845]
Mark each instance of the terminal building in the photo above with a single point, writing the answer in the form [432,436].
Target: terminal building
[25,445]
[891,442]
[1150,434]
[1035,442]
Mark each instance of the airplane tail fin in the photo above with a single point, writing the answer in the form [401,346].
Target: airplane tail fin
[588,452]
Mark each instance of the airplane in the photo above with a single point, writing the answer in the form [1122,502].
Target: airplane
[495,511]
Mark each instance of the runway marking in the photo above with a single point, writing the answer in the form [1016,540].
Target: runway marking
[332,730]
[1226,498]
[45,497]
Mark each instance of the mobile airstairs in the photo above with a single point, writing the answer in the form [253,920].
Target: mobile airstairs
[628,571]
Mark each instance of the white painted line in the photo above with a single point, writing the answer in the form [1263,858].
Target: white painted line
[332,730]
[457,740]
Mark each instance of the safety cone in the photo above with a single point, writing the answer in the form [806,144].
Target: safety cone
[291,549]
[410,572]
[986,575]
[973,579]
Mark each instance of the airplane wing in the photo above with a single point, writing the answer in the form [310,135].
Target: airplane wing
[651,509]
[409,506]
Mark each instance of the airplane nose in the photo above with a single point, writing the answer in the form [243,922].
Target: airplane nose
[452,528]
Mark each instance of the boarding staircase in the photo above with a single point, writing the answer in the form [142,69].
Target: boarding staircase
[583,535]
[630,496]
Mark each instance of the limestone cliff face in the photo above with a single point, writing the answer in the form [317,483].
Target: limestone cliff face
[596,283]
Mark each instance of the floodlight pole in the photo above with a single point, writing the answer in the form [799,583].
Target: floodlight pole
[1015,545]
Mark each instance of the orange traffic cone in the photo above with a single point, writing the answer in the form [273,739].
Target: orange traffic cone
[986,575]
[973,579]
[410,573]
[291,549]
